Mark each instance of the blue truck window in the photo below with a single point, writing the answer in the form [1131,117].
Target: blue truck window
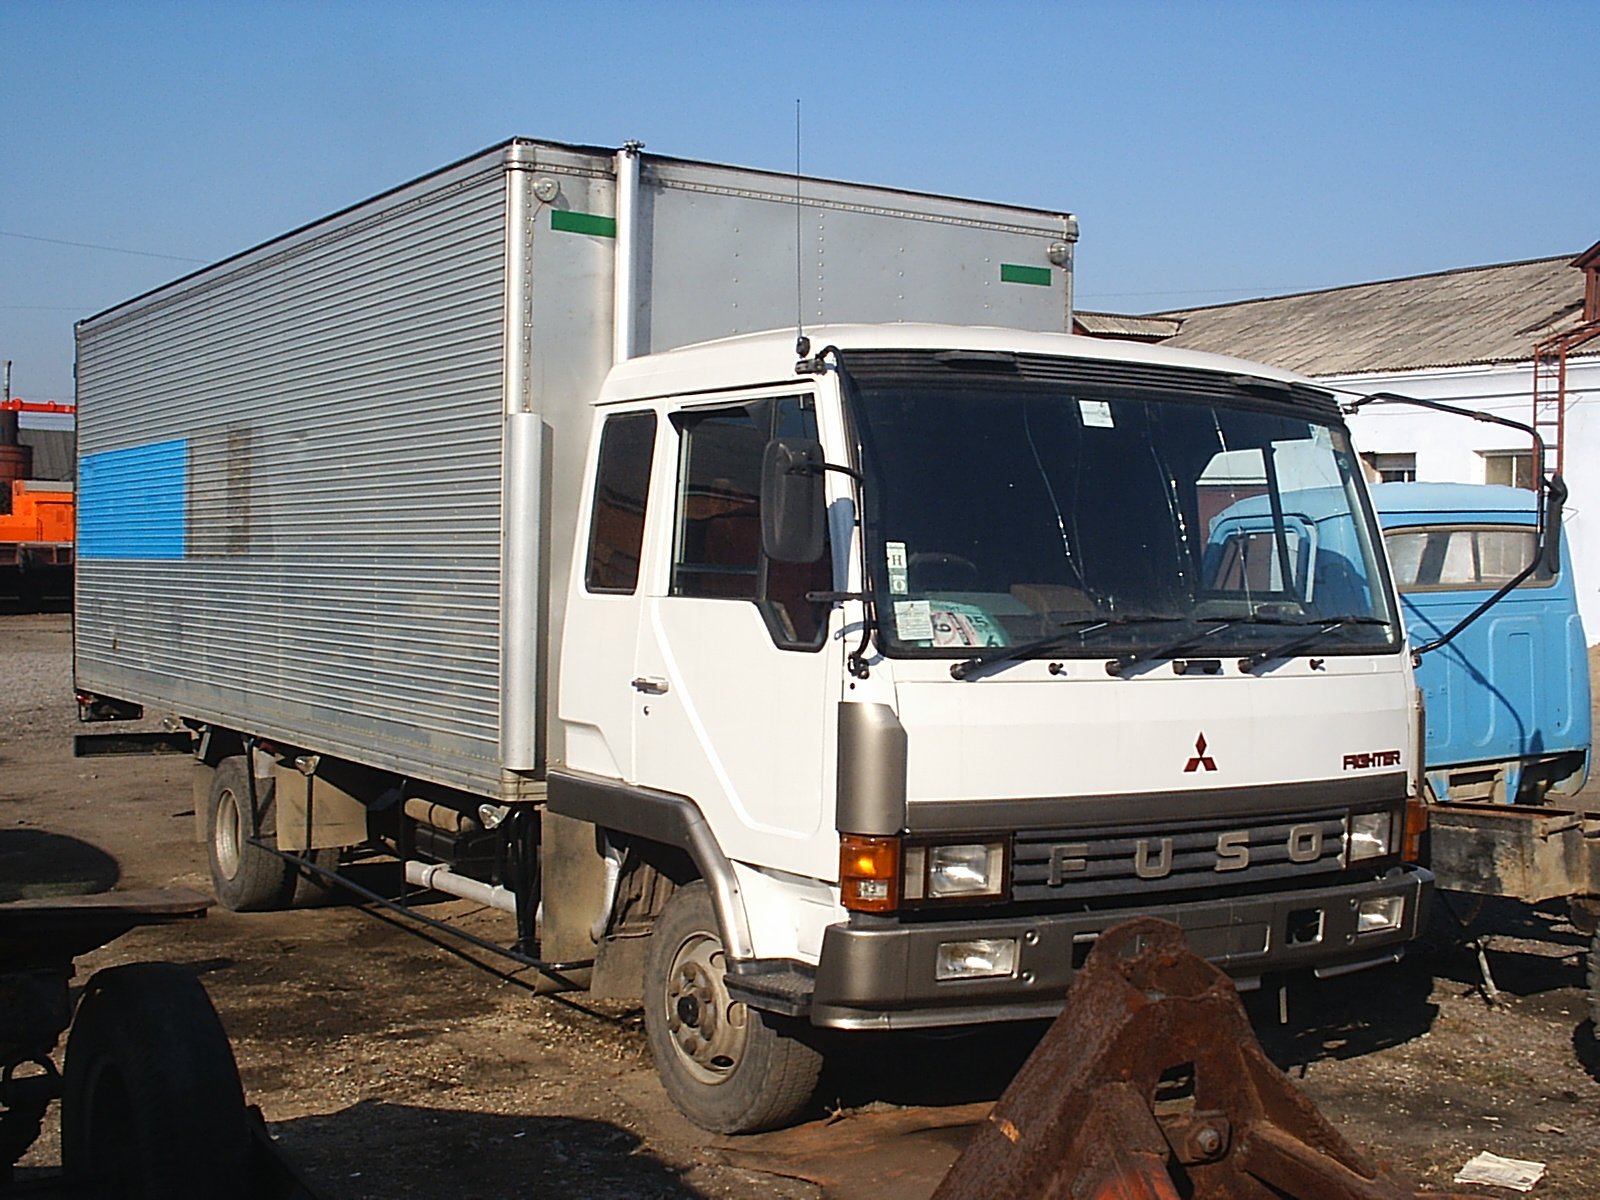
[1461,558]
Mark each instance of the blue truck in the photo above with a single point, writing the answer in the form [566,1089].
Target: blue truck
[1507,703]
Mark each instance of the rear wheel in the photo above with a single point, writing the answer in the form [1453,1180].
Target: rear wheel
[728,1067]
[247,878]
[151,1104]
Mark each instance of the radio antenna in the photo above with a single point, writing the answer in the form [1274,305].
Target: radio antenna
[802,344]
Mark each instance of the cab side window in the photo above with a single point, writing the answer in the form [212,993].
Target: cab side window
[616,524]
[717,542]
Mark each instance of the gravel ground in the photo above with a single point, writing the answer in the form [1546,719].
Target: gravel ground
[390,1066]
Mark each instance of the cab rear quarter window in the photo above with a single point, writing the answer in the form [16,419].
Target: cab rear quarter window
[1462,558]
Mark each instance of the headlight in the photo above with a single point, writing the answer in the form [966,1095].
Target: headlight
[1371,835]
[981,958]
[1380,913]
[959,871]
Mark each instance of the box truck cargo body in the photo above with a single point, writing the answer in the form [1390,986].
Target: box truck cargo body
[853,682]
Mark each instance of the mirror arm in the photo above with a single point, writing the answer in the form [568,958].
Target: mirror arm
[1504,590]
[1552,493]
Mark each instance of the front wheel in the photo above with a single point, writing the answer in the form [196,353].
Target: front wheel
[728,1067]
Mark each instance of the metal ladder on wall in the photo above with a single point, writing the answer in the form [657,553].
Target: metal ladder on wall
[1550,366]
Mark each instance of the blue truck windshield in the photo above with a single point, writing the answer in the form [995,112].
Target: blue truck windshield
[1002,511]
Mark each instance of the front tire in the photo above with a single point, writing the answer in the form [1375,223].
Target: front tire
[246,877]
[729,1068]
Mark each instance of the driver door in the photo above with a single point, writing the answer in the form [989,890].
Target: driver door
[737,678]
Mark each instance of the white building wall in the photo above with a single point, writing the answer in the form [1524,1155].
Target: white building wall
[1451,449]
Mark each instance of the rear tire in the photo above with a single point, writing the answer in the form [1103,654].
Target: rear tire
[728,1067]
[151,1104]
[246,877]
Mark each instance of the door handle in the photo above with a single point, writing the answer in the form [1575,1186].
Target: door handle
[652,685]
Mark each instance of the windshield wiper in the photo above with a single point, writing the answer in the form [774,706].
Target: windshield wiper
[1191,638]
[1068,630]
[1319,629]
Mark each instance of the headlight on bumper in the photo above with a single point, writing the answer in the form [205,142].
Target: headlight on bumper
[981,958]
[1380,913]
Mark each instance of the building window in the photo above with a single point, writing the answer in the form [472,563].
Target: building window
[1509,468]
[1390,468]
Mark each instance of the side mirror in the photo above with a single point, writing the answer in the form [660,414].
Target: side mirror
[793,510]
[1555,496]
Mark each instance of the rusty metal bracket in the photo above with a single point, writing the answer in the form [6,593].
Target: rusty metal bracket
[1083,1117]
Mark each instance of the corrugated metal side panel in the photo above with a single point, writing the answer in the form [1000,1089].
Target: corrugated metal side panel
[338,401]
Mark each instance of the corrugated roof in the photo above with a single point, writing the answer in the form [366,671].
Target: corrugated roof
[1100,324]
[1471,316]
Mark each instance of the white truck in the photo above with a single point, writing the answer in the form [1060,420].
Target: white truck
[857,682]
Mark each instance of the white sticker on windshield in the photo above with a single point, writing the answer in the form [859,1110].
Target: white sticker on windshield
[913,620]
[899,584]
[1096,414]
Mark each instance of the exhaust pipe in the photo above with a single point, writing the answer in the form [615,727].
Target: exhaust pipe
[440,878]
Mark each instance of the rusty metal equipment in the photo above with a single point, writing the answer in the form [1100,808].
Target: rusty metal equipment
[1086,1117]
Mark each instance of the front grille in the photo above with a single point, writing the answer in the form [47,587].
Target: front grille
[1084,864]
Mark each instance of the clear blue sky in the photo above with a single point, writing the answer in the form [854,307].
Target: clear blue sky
[1211,150]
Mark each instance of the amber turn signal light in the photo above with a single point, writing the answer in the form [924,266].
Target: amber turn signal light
[1416,826]
[869,873]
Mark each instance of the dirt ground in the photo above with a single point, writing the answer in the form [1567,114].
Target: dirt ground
[390,1065]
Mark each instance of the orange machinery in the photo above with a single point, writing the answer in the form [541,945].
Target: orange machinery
[36,516]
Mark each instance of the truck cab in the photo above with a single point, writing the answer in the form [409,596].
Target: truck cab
[1021,685]
[1507,699]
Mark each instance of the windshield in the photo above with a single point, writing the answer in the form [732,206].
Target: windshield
[1004,510]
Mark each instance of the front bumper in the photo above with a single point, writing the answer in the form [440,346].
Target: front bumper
[883,977]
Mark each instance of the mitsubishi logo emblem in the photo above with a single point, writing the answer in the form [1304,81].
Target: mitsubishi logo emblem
[1201,760]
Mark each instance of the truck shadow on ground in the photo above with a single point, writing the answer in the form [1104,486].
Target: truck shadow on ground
[1459,927]
[1338,1019]
[394,1151]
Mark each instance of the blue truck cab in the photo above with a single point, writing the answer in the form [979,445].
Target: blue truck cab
[1508,698]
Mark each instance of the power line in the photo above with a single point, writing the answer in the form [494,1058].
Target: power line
[32,237]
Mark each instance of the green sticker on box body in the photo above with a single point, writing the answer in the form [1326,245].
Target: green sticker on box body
[1017,273]
[566,221]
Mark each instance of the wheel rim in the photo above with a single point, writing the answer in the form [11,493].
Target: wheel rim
[229,835]
[708,1030]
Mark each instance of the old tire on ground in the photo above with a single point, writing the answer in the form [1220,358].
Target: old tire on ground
[728,1068]
[246,877]
[151,1104]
